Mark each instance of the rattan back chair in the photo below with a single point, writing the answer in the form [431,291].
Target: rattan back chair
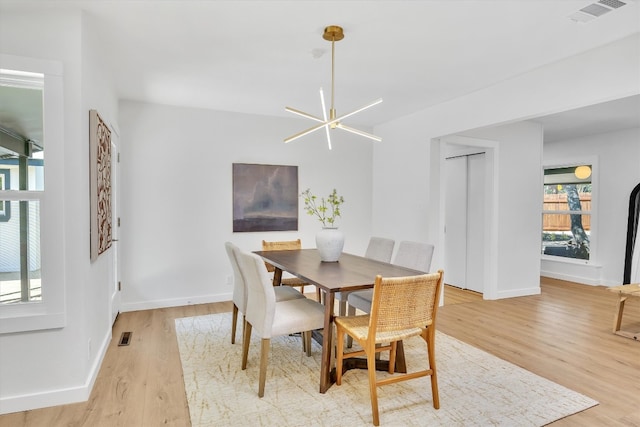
[285,245]
[402,307]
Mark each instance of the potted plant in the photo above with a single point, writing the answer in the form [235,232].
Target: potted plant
[329,240]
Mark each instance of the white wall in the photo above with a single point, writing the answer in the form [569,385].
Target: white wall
[177,193]
[516,233]
[55,366]
[408,155]
[617,172]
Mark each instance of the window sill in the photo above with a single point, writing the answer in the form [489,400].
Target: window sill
[13,322]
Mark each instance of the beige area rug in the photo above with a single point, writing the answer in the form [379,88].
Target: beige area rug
[476,388]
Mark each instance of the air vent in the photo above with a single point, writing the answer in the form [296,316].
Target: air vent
[613,4]
[595,10]
[125,339]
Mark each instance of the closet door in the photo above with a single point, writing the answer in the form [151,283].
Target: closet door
[465,221]
[455,270]
[475,222]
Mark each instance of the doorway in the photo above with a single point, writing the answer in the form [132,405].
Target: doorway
[465,177]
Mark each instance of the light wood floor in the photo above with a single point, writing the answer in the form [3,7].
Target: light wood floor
[564,335]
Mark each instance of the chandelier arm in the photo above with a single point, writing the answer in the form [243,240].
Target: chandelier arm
[305,132]
[359,132]
[330,122]
[324,114]
[337,119]
[303,114]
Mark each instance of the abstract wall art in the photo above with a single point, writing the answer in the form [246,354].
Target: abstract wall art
[265,197]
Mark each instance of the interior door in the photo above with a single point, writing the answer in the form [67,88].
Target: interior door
[465,221]
[114,272]
[456,222]
[475,222]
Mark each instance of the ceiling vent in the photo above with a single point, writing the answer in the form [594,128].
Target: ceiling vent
[595,10]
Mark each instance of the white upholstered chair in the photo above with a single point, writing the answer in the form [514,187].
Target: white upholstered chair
[379,249]
[271,318]
[415,255]
[240,290]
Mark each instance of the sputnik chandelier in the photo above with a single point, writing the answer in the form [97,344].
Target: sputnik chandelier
[332,33]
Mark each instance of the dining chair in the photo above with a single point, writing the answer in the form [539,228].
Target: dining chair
[379,249]
[271,318]
[287,280]
[414,255]
[402,307]
[240,291]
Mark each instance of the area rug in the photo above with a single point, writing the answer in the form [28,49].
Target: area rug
[476,388]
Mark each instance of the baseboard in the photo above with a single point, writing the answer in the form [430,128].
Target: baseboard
[523,292]
[570,278]
[63,396]
[176,302]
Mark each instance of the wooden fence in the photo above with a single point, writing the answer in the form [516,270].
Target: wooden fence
[562,222]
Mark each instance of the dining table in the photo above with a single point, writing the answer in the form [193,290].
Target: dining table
[350,273]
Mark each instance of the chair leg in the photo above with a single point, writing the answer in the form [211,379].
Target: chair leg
[392,356]
[245,344]
[244,326]
[339,353]
[264,361]
[342,311]
[431,351]
[306,336]
[351,311]
[234,323]
[373,388]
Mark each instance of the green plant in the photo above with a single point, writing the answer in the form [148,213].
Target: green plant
[327,210]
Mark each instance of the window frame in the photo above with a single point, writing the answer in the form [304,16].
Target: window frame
[593,212]
[50,312]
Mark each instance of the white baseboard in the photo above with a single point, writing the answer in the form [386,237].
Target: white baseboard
[570,278]
[57,397]
[523,292]
[176,302]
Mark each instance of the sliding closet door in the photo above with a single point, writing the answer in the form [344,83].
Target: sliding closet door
[464,216]
[475,221]
[455,270]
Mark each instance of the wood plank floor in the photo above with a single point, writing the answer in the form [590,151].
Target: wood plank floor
[564,335]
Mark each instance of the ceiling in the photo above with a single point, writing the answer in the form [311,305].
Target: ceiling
[259,56]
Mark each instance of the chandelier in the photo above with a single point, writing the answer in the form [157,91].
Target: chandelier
[332,33]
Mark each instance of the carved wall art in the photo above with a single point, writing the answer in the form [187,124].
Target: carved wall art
[100,184]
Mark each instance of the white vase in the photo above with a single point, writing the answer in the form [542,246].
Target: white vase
[329,242]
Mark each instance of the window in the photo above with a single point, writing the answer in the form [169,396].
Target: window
[31,219]
[566,212]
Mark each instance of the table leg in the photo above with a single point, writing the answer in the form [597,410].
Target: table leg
[617,320]
[277,277]
[327,350]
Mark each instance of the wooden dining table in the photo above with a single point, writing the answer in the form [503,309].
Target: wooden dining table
[349,273]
